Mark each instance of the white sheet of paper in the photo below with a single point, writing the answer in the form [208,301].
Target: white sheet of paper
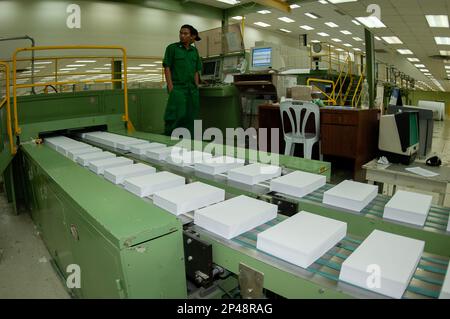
[140,149]
[147,185]
[219,165]
[160,154]
[85,159]
[254,173]
[117,175]
[351,195]
[394,258]
[188,198]
[297,184]
[187,158]
[235,216]
[421,172]
[302,238]
[99,166]
[73,155]
[408,207]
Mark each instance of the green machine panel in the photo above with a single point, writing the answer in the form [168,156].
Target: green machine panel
[125,246]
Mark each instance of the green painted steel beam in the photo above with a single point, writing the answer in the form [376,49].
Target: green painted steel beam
[370,65]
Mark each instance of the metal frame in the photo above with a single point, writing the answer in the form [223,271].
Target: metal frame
[7,101]
[125,117]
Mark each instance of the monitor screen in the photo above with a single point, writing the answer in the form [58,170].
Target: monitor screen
[209,68]
[262,57]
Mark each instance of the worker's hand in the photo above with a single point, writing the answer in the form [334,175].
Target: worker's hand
[170,88]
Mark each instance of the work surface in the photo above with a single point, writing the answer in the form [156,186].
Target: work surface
[396,174]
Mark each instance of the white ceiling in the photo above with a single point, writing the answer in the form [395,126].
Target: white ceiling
[403,18]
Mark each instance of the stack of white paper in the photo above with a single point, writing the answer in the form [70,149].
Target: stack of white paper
[66,147]
[445,291]
[219,165]
[235,216]
[54,142]
[408,207]
[140,149]
[187,158]
[189,197]
[99,166]
[114,140]
[254,173]
[126,144]
[147,185]
[383,263]
[351,195]
[302,239]
[160,154]
[298,184]
[117,175]
[73,154]
[85,159]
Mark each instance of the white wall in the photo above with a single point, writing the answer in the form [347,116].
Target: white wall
[143,31]
[252,35]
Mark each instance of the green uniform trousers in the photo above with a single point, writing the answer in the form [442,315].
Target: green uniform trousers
[182,109]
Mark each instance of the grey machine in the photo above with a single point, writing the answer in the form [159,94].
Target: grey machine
[426,126]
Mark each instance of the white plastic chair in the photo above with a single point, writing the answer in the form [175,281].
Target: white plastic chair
[298,134]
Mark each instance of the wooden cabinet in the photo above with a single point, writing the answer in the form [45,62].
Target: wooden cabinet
[351,135]
[346,134]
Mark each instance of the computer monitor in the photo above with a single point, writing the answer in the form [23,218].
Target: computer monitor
[266,58]
[211,70]
[262,58]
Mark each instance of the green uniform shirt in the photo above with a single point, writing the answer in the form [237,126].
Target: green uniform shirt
[183,63]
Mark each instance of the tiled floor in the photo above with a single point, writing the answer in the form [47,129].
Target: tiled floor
[441,141]
[25,269]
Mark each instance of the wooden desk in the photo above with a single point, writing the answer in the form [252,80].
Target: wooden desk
[350,134]
[395,174]
[345,134]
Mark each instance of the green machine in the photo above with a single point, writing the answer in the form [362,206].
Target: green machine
[129,248]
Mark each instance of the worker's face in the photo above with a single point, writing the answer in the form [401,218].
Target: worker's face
[185,36]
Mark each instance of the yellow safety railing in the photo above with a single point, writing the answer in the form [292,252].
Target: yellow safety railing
[358,93]
[349,89]
[6,101]
[60,61]
[331,98]
[342,79]
[123,80]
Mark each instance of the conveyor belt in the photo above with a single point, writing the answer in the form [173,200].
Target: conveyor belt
[437,219]
[426,283]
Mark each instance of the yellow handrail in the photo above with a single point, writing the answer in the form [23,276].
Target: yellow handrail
[356,96]
[349,88]
[331,98]
[341,82]
[125,117]
[7,101]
